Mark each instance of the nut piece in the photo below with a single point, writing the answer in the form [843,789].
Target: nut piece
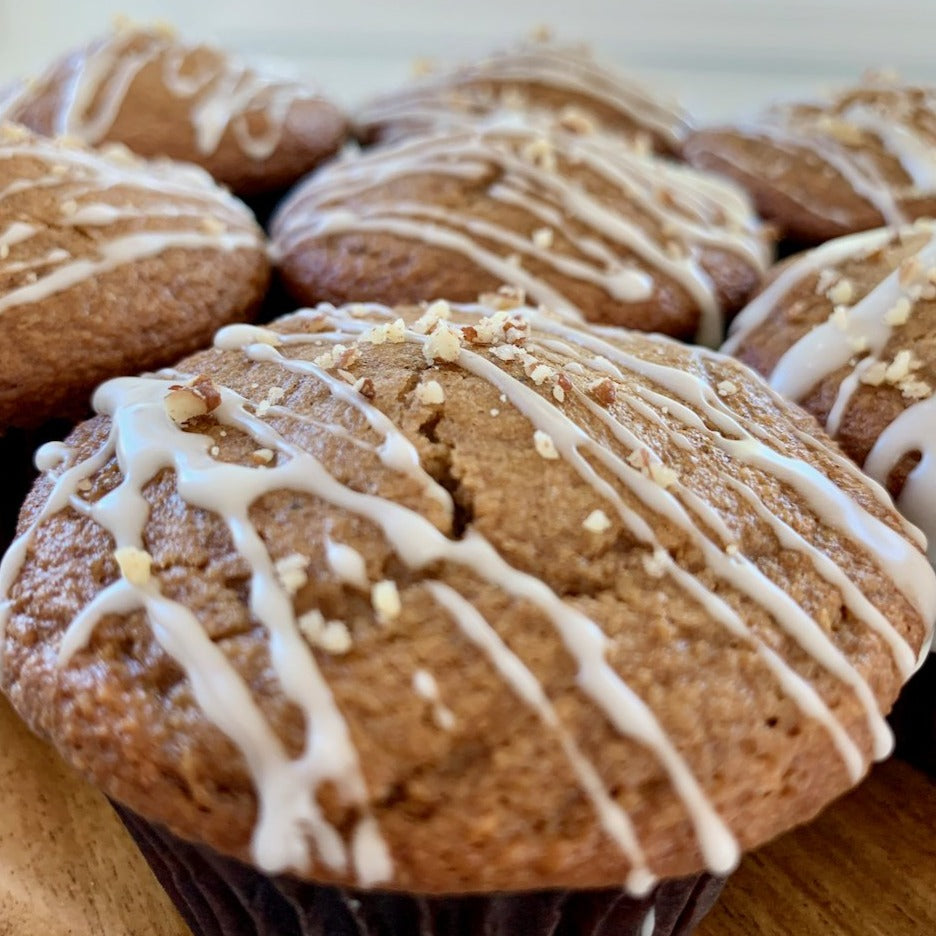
[597,522]
[331,636]
[544,445]
[442,345]
[196,398]
[135,564]
[386,600]
[291,572]
[430,393]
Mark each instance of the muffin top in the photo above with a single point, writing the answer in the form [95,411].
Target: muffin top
[564,80]
[160,96]
[109,265]
[818,170]
[461,599]
[849,331]
[581,221]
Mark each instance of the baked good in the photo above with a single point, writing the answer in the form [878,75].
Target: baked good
[110,265]
[161,96]
[581,222]
[817,170]
[460,600]
[849,331]
[559,79]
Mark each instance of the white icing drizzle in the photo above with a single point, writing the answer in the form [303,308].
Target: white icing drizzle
[648,927]
[144,441]
[205,217]
[697,212]
[437,101]
[226,95]
[827,347]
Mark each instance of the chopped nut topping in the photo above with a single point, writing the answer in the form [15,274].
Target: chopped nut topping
[430,393]
[899,313]
[559,393]
[840,129]
[827,277]
[365,386]
[495,412]
[544,445]
[655,563]
[597,522]
[541,153]
[392,332]
[726,388]
[915,389]
[576,121]
[212,225]
[875,375]
[858,343]
[506,352]
[602,390]
[331,636]
[543,237]
[662,475]
[839,318]
[196,398]
[4,251]
[436,312]
[385,598]
[135,564]
[842,292]
[291,572]
[505,299]
[732,549]
[443,344]
[68,207]
[262,456]
[541,373]
[904,362]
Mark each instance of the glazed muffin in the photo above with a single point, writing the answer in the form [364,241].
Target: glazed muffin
[160,96]
[110,265]
[581,222]
[561,80]
[405,609]
[819,170]
[849,331]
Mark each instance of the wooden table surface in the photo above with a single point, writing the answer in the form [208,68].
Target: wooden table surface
[867,867]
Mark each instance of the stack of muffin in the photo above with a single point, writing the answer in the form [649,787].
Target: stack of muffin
[457,601]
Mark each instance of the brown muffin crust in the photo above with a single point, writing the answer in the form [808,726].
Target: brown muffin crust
[543,76]
[471,790]
[160,96]
[110,265]
[882,380]
[821,170]
[579,220]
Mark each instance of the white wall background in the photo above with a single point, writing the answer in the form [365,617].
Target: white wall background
[723,57]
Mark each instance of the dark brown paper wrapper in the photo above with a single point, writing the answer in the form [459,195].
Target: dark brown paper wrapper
[222,897]
[914,719]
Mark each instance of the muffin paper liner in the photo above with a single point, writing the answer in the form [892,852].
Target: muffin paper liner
[219,896]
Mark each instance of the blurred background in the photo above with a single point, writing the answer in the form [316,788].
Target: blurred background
[722,57]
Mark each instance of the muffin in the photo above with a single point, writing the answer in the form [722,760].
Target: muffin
[160,96]
[849,331]
[560,80]
[445,617]
[109,265]
[861,159]
[581,222]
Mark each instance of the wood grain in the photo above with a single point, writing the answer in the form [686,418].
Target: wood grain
[866,867]
[67,867]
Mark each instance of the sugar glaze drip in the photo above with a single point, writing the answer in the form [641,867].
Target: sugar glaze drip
[693,212]
[144,440]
